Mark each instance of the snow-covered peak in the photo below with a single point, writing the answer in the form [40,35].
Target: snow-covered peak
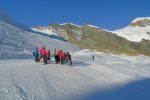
[141,22]
[70,24]
[138,30]
[140,19]
[78,25]
[135,34]
[93,26]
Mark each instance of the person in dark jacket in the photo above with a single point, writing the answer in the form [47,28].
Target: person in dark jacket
[65,57]
[33,56]
[36,55]
[69,58]
[40,55]
[56,56]
[93,57]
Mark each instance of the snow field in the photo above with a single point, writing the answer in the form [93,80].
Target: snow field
[28,80]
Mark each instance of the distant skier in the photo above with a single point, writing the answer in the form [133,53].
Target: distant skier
[36,54]
[69,58]
[93,58]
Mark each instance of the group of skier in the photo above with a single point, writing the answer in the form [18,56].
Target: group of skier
[60,56]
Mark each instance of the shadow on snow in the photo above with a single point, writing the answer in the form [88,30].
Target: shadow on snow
[138,90]
[80,63]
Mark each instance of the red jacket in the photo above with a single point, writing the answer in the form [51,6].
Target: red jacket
[63,55]
[60,53]
[48,52]
[40,51]
[43,51]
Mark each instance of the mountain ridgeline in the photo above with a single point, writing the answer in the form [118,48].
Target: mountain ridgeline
[94,38]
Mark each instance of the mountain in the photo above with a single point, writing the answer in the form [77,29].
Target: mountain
[139,29]
[132,40]
[19,41]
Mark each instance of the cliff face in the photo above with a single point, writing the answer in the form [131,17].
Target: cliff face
[101,40]
[69,32]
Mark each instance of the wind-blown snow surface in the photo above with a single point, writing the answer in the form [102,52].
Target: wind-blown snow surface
[109,77]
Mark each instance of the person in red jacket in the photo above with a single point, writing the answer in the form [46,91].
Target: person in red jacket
[48,55]
[43,54]
[61,56]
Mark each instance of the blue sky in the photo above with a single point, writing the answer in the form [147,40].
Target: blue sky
[108,14]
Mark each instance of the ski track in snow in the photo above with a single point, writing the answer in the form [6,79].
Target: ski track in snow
[50,86]
[4,31]
[22,40]
[27,80]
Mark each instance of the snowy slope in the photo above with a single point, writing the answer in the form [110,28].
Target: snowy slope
[109,77]
[136,33]
[19,41]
